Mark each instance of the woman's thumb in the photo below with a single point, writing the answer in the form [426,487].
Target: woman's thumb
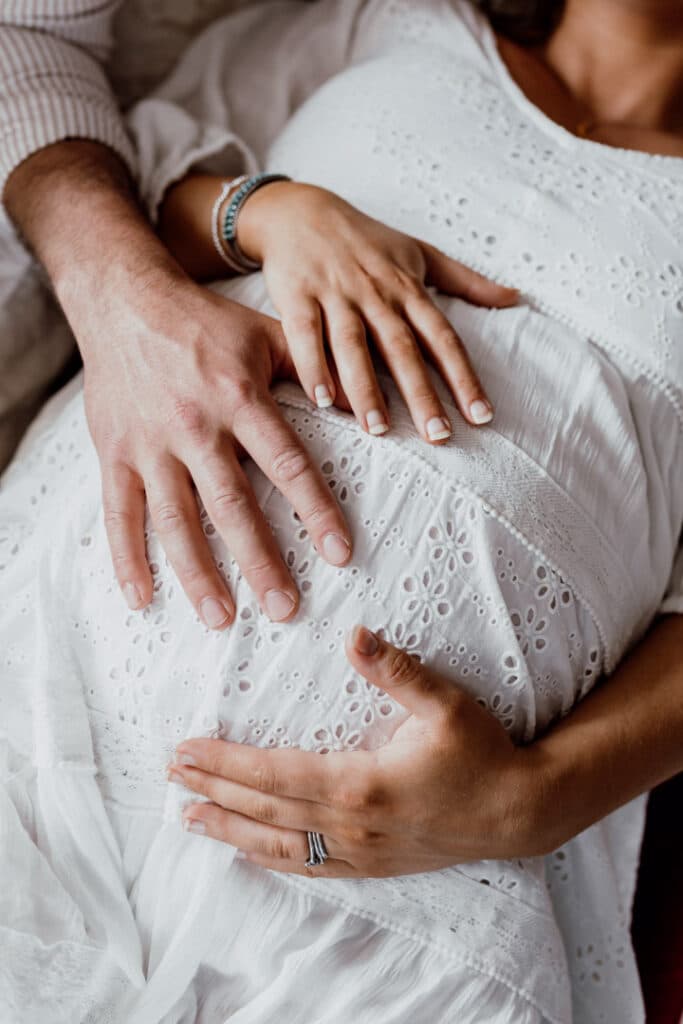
[395,671]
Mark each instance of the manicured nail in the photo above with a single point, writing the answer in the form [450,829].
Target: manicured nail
[438,429]
[335,549]
[323,398]
[376,422]
[481,412]
[198,827]
[278,605]
[133,596]
[240,855]
[186,759]
[173,775]
[364,641]
[214,613]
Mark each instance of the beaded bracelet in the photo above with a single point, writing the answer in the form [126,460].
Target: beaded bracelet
[227,188]
[229,232]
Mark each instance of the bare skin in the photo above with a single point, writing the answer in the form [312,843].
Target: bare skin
[399,810]
[177,379]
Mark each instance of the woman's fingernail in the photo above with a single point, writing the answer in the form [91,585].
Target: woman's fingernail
[364,641]
[214,613]
[187,759]
[335,549]
[377,424]
[240,855]
[481,412]
[132,596]
[198,827]
[278,605]
[173,775]
[323,398]
[438,429]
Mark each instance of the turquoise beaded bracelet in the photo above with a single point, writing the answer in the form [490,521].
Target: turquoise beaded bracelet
[229,230]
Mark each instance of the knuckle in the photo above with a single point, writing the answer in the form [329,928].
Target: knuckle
[188,418]
[169,516]
[401,669]
[446,338]
[351,335]
[362,797]
[264,810]
[289,465]
[241,393]
[278,849]
[302,323]
[230,504]
[264,780]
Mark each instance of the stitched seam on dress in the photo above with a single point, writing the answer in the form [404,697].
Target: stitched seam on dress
[425,939]
[334,419]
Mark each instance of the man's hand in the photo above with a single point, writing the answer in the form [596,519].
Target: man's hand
[175,378]
[449,787]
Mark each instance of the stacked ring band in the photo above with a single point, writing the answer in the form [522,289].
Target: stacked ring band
[317,854]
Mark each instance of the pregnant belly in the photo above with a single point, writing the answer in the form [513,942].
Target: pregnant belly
[433,568]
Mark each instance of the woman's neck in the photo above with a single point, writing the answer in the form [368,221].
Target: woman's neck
[623,59]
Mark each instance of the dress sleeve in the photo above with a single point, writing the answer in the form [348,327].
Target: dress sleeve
[235,88]
[673,599]
[52,84]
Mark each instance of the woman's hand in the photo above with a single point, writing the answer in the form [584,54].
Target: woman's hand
[337,276]
[449,787]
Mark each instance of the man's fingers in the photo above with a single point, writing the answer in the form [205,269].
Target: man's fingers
[393,670]
[124,519]
[453,278]
[175,514]
[234,511]
[278,452]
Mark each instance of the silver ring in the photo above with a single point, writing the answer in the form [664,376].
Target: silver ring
[317,853]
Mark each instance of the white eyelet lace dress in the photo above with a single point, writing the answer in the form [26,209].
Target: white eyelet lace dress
[522,559]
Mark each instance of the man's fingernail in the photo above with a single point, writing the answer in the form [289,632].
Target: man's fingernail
[377,423]
[438,429]
[335,549]
[323,398]
[278,605]
[481,412]
[364,641]
[198,827]
[132,596]
[214,613]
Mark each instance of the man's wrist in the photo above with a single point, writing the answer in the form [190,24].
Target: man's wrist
[75,205]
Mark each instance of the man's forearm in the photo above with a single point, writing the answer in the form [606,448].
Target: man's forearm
[621,741]
[74,203]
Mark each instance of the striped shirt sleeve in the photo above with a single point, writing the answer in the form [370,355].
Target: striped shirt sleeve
[52,82]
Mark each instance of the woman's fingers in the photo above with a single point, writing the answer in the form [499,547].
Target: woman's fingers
[235,513]
[123,496]
[175,515]
[349,344]
[450,358]
[268,808]
[389,668]
[454,278]
[303,329]
[401,353]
